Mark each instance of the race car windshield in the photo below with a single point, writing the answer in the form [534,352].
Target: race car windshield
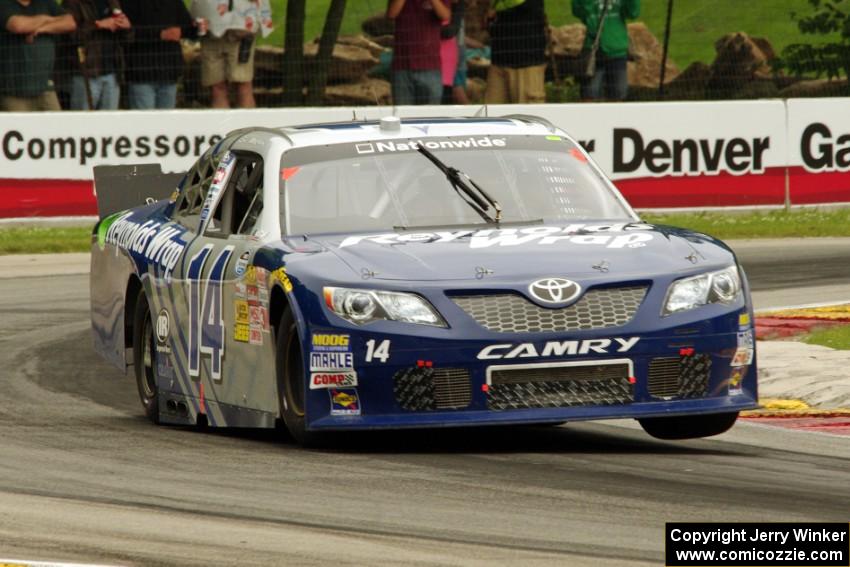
[381,185]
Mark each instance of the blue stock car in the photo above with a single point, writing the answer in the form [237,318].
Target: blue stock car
[416,273]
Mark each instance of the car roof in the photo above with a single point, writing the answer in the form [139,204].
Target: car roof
[370,130]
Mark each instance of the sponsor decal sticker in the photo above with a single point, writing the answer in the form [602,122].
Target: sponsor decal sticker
[280,275]
[339,379]
[255,336]
[241,332]
[242,263]
[743,321]
[745,339]
[242,311]
[253,294]
[736,379]
[557,348]
[162,329]
[743,357]
[250,275]
[344,401]
[259,317]
[619,235]
[329,342]
[331,361]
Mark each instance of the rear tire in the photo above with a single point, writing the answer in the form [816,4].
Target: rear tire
[290,373]
[144,358]
[688,426]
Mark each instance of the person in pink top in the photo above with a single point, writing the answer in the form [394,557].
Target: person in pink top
[416,68]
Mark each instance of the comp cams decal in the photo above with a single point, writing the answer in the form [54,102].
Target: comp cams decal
[557,348]
[319,380]
[621,235]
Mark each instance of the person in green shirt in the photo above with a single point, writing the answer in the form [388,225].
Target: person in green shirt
[609,81]
[27,53]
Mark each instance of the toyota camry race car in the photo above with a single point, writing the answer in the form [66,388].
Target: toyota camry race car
[416,273]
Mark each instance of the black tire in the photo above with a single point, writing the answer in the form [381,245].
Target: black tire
[688,426]
[144,358]
[290,373]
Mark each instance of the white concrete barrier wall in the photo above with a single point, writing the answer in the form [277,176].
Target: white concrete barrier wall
[690,154]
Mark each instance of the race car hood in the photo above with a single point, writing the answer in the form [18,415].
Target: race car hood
[526,251]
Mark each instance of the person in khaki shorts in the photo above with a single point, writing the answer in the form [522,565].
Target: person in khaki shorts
[227,51]
[518,44]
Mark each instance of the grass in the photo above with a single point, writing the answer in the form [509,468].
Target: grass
[773,224]
[43,240]
[837,337]
[696,24]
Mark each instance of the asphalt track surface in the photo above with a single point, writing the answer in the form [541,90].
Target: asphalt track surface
[84,477]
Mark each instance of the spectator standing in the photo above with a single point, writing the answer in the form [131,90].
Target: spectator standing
[518,61]
[450,49]
[92,56]
[154,57]
[227,52]
[416,68]
[607,19]
[27,53]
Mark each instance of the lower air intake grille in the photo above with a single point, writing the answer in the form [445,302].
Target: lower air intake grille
[679,377]
[428,389]
[546,386]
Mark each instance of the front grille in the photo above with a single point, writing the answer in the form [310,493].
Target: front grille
[679,377]
[548,386]
[511,313]
[428,389]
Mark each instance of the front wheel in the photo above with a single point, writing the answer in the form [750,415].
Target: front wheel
[289,368]
[144,358]
[688,426]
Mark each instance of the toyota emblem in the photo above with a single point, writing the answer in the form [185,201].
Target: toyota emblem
[554,290]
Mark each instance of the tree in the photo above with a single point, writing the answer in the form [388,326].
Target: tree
[831,58]
[319,72]
[293,54]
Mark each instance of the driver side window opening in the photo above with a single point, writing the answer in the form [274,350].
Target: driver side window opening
[241,201]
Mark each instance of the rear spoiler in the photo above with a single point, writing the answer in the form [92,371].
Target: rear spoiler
[122,187]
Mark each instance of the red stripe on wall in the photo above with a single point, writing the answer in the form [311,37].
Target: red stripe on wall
[824,187]
[721,190]
[46,198]
[68,197]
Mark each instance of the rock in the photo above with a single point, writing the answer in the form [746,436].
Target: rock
[689,84]
[816,88]
[567,40]
[644,67]
[364,42]
[385,40]
[366,92]
[349,64]
[739,60]
[378,24]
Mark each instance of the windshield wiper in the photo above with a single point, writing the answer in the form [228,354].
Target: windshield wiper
[468,190]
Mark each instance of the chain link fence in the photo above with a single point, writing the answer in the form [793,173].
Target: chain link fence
[718,49]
